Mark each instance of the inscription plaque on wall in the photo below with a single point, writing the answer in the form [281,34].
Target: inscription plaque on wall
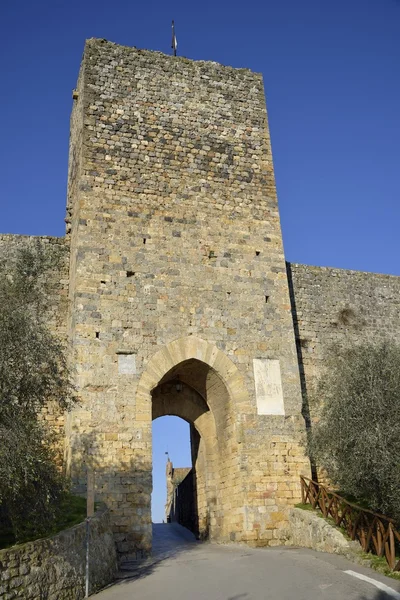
[268,382]
[127,364]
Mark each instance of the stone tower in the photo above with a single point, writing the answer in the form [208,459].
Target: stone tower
[179,301]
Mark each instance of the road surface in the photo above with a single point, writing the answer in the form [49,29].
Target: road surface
[183,569]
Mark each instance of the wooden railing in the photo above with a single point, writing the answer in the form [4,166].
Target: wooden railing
[376,533]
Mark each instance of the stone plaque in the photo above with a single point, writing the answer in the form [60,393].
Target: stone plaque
[267,379]
[127,364]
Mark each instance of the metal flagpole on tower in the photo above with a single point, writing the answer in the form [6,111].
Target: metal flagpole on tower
[174,44]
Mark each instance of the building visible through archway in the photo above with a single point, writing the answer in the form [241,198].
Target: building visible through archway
[170,440]
[181,503]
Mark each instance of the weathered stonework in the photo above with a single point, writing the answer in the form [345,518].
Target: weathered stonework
[177,259]
[54,567]
[181,505]
[307,529]
[179,301]
[174,478]
[338,306]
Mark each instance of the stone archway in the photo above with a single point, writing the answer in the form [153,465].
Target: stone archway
[211,388]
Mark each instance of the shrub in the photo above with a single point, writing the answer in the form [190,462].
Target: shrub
[357,434]
[33,373]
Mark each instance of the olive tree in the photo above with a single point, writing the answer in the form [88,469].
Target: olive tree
[33,373]
[357,434]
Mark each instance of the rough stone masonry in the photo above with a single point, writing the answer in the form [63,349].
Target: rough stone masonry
[179,300]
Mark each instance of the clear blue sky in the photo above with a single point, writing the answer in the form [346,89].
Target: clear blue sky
[332,77]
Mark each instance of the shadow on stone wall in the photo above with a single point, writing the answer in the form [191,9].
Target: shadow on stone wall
[184,504]
[305,406]
[123,486]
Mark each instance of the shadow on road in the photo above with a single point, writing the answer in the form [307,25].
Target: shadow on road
[379,595]
[169,540]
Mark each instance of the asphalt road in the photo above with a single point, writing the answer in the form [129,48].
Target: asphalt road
[183,569]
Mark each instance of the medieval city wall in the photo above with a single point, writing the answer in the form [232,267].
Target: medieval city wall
[338,306]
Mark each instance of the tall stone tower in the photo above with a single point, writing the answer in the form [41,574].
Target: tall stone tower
[178,292]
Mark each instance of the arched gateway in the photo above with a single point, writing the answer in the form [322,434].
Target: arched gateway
[190,378]
[177,274]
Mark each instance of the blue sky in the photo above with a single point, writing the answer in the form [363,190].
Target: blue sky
[331,74]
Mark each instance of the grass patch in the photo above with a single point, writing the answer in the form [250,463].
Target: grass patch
[380,565]
[72,511]
[305,507]
[319,514]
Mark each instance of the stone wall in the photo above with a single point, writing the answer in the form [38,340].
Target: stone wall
[340,306]
[174,477]
[54,568]
[307,529]
[177,271]
[183,508]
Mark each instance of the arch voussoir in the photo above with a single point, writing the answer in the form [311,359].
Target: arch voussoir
[183,349]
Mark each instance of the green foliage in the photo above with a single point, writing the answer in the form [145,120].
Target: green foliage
[71,511]
[357,434]
[304,506]
[33,373]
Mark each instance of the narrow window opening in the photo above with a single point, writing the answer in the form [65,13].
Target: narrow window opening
[98,334]
[144,240]
[102,281]
[266,298]
[257,253]
[130,273]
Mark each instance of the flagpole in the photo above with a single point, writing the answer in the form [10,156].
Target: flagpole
[174,42]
